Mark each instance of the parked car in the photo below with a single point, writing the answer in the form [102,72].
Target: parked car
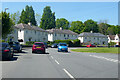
[38,47]
[91,45]
[17,47]
[7,53]
[55,45]
[62,47]
[117,45]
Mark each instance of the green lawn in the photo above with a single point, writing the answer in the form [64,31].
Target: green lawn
[97,50]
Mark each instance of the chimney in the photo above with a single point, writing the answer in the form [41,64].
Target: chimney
[61,28]
[91,31]
[30,24]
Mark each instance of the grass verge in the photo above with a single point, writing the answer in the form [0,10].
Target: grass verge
[98,50]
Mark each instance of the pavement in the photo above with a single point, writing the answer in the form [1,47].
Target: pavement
[55,64]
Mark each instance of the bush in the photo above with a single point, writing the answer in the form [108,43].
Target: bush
[112,43]
[71,43]
[30,42]
[76,43]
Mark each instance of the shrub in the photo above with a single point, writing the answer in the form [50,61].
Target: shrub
[71,43]
[76,43]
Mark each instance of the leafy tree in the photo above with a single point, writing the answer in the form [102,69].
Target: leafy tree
[90,25]
[15,17]
[7,24]
[62,22]
[77,26]
[27,16]
[48,19]
[103,28]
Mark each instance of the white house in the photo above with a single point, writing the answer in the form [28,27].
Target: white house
[114,38]
[60,34]
[27,32]
[93,38]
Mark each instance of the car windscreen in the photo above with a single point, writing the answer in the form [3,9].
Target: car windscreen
[63,44]
[38,44]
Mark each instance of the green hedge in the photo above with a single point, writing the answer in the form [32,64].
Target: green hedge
[71,43]
[31,42]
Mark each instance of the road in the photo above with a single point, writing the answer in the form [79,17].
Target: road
[55,64]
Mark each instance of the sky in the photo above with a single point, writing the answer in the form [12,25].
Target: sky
[72,11]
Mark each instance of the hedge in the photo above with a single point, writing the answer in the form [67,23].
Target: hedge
[71,43]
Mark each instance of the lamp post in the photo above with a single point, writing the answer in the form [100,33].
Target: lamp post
[6,9]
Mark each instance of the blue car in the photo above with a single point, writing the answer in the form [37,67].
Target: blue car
[62,47]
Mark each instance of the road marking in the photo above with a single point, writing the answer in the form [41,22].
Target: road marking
[51,57]
[69,74]
[101,57]
[56,61]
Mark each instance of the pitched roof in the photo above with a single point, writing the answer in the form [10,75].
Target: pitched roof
[61,31]
[87,34]
[26,26]
[119,35]
[112,37]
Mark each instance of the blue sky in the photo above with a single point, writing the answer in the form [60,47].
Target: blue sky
[72,11]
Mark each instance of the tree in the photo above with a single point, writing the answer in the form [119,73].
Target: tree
[7,24]
[103,28]
[62,22]
[27,16]
[77,26]
[48,19]
[15,17]
[90,25]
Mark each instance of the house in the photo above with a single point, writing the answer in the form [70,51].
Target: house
[93,38]
[114,38]
[60,34]
[28,32]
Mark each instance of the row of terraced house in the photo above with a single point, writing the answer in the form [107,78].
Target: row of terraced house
[28,32]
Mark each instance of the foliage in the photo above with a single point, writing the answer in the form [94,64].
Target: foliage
[71,43]
[48,19]
[112,43]
[7,24]
[90,25]
[77,26]
[62,22]
[27,16]
[103,28]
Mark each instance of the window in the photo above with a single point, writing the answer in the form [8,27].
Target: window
[20,30]
[64,35]
[68,35]
[26,31]
[35,32]
[85,37]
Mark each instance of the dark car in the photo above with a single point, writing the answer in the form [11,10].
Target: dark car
[62,47]
[117,45]
[38,47]
[17,47]
[55,45]
[7,53]
[91,45]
